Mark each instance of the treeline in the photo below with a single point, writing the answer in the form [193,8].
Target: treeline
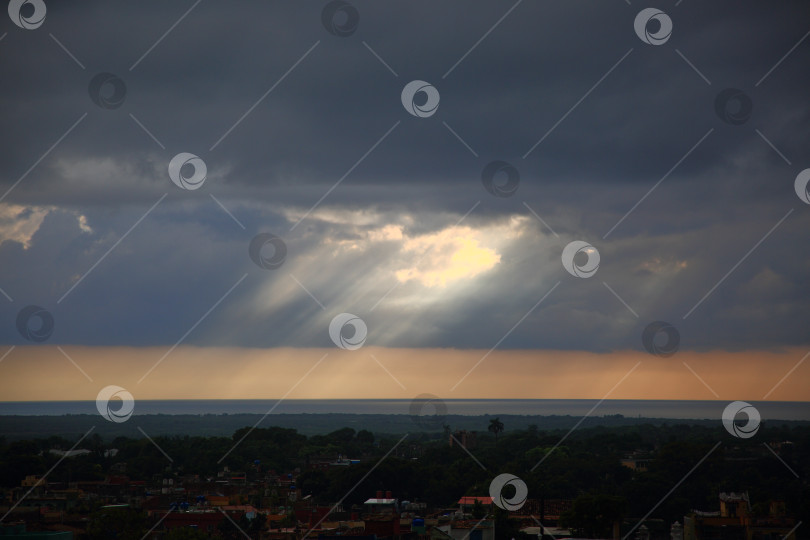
[254,451]
[72,426]
[586,466]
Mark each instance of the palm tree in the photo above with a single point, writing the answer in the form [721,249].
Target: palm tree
[495,426]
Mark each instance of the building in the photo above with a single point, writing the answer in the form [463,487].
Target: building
[466,504]
[33,480]
[464,438]
[202,520]
[463,529]
[735,519]
[636,464]
[17,531]
[382,504]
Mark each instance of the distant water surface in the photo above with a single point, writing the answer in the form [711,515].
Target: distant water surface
[774,410]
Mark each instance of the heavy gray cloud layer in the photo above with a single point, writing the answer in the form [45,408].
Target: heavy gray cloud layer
[402,201]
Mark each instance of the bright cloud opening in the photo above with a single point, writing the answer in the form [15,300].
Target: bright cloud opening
[447,256]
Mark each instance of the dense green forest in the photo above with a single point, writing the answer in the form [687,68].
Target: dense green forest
[585,466]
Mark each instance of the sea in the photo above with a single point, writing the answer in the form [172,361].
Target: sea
[773,410]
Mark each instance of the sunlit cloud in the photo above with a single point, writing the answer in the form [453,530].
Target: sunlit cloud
[659,265]
[19,223]
[83,225]
[447,256]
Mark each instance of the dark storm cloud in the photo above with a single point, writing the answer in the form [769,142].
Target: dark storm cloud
[327,112]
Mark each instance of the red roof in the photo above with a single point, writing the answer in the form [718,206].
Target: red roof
[239,508]
[471,500]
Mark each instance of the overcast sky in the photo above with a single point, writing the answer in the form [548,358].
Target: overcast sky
[617,142]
